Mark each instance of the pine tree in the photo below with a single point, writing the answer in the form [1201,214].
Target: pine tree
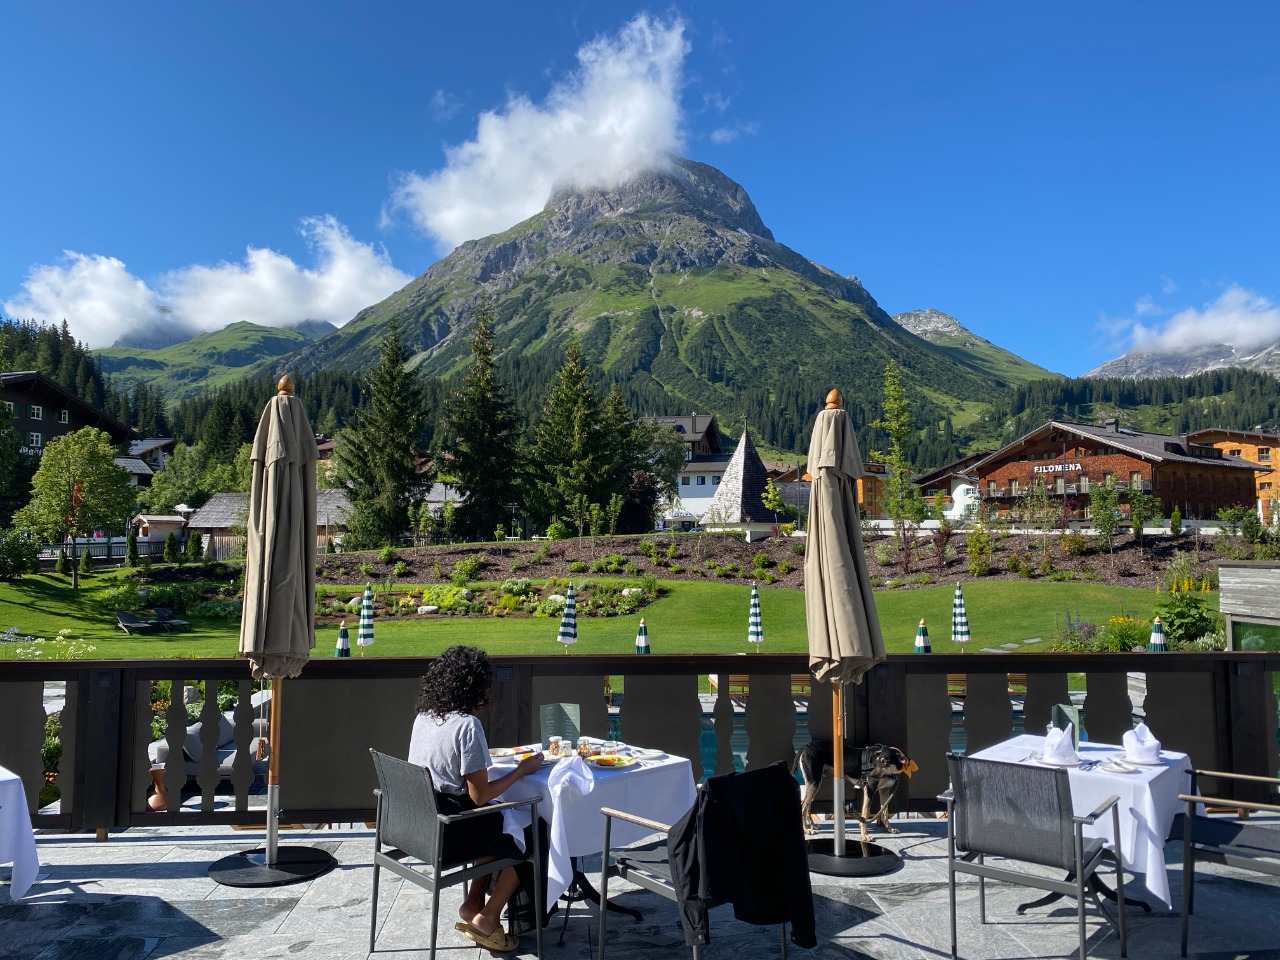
[902,499]
[86,560]
[131,547]
[483,431]
[195,547]
[378,457]
[171,548]
[568,451]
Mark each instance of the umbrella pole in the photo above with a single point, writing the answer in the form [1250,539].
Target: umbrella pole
[837,762]
[273,772]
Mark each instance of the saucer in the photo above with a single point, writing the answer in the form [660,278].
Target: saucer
[1049,762]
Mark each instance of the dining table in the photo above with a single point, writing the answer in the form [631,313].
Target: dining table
[572,791]
[1148,798]
[17,841]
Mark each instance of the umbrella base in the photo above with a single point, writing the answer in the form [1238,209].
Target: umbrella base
[249,868]
[859,860]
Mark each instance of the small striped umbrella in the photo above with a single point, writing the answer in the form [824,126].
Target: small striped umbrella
[1157,644]
[755,632]
[569,621]
[642,638]
[343,648]
[364,633]
[959,620]
[922,638]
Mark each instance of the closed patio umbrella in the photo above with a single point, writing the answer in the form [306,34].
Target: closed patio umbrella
[959,619]
[755,630]
[364,633]
[569,620]
[277,627]
[642,638]
[343,648]
[922,638]
[1157,644]
[844,629]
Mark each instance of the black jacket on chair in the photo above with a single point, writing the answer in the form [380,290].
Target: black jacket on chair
[743,843]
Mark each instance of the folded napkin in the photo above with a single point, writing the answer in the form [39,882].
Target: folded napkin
[1140,745]
[1058,748]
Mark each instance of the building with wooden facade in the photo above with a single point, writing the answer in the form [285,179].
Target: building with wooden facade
[1073,458]
[42,410]
[1260,448]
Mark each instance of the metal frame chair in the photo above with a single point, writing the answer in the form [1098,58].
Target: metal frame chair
[1224,840]
[410,825]
[1022,812]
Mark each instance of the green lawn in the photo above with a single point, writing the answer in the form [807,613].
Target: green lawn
[693,616]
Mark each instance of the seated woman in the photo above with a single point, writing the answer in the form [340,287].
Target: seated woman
[450,743]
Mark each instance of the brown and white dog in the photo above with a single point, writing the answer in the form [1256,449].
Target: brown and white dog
[872,771]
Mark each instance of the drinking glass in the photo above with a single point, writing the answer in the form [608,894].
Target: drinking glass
[609,748]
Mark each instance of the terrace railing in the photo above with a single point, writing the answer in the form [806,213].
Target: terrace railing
[1219,707]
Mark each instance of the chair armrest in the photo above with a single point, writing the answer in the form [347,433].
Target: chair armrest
[654,825]
[1251,778]
[487,808]
[1226,802]
[1102,808]
[947,796]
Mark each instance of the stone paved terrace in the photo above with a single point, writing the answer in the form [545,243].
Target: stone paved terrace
[145,894]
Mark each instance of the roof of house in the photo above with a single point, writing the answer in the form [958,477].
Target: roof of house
[135,466]
[140,448]
[1202,436]
[159,518]
[740,496]
[1156,447]
[694,428]
[232,509]
[35,380]
[956,468]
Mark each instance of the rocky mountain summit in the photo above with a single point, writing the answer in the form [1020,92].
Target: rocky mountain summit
[1193,360]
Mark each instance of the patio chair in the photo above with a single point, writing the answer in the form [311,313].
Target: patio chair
[1020,812]
[760,866]
[1224,839]
[129,622]
[166,618]
[410,825]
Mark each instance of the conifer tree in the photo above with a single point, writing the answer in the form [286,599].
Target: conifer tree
[378,457]
[902,499]
[483,437]
[171,548]
[568,448]
[86,560]
[131,547]
[195,547]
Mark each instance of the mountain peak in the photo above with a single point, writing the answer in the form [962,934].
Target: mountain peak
[931,324]
[681,188]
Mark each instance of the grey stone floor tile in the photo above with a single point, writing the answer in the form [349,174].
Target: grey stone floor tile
[110,948]
[28,927]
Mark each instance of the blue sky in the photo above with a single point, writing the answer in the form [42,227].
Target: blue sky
[1067,180]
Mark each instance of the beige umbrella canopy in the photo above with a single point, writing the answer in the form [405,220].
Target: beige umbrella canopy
[844,630]
[277,626]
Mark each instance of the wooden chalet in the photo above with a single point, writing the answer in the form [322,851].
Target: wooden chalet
[1257,447]
[43,410]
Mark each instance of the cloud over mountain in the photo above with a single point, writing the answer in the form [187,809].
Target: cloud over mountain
[102,300]
[1242,318]
[618,114]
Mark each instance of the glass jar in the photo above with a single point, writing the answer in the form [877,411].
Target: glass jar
[553,746]
[584,747]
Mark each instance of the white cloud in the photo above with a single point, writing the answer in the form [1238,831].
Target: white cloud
[724,135]
[444,106]
[101,300]
[1239,317]
[618,114]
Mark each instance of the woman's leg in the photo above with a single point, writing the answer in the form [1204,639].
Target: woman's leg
[474,902]
[489,918]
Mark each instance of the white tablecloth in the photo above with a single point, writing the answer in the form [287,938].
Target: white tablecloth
[17,843]
[572,793]
[1148,801]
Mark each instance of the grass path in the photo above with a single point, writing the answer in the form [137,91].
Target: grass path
[693,617]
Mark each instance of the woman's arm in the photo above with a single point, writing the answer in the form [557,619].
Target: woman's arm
[481,789]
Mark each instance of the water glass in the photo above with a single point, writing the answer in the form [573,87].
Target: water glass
[609,748]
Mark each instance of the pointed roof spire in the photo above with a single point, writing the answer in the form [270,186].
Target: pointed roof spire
[741,492]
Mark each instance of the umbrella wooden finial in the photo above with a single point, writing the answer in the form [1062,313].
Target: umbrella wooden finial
[834,401]
[285,387]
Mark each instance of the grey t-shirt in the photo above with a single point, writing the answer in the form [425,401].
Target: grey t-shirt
[450,748]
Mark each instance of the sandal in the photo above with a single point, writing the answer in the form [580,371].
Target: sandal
[499,941]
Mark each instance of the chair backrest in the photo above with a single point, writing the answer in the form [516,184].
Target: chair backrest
[561,720]
[1013,810]
[408,814]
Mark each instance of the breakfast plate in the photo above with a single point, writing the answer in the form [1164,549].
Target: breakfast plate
[1116,766]
[647,754]
[1051,762]
[499,753]
[1125,758]
[611,762]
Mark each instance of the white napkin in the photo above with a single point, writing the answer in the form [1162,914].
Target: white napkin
[1140,745]
[1058,748]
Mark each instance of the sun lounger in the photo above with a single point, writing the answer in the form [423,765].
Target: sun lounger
[129,622]
[165,617]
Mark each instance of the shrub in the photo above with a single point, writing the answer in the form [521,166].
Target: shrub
[1074,543]
[883,553]
[630,569]
[648,549]
[757,573]
[798,549]
[195,547]
[86,560]
[1252,530]
[517,586]
[761,560]
[509,602]
[676,568]
[123,597]
[217,609]
[649,584]
[923,579]
[18,554]
[673,551]
[1123,634]
[387,554]
[62,566]
[400,569]
[1180,573]
[978,549]
[1185,616]
[468,568]
[577,566]
[1046,565]
[1015,563]
[557,529]
[366,569]
[542,553]
[1175,522]
[131,548]
[171,548]
[1059,576]
[785,566]
[769,577]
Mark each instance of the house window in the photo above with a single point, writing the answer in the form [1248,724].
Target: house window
[8,406]
[35,439]
[1264,454]
[1013,488]
[37,412]
[684,481]
[715,481]
[991,488]
[1233,453]
[1135,480]
[1084,484]
[702,480]
[1061,486]
[64,416]
[1265,485]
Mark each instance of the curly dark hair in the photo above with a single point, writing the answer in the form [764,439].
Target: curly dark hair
[457,682]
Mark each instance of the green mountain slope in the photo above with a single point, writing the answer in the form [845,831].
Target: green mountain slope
[947,332]
[677,288]
[208,360]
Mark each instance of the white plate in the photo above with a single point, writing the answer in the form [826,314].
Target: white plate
[1056,763]
[499,753]
[646,754]
[1116,766]
[1125,758]
[618,762]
